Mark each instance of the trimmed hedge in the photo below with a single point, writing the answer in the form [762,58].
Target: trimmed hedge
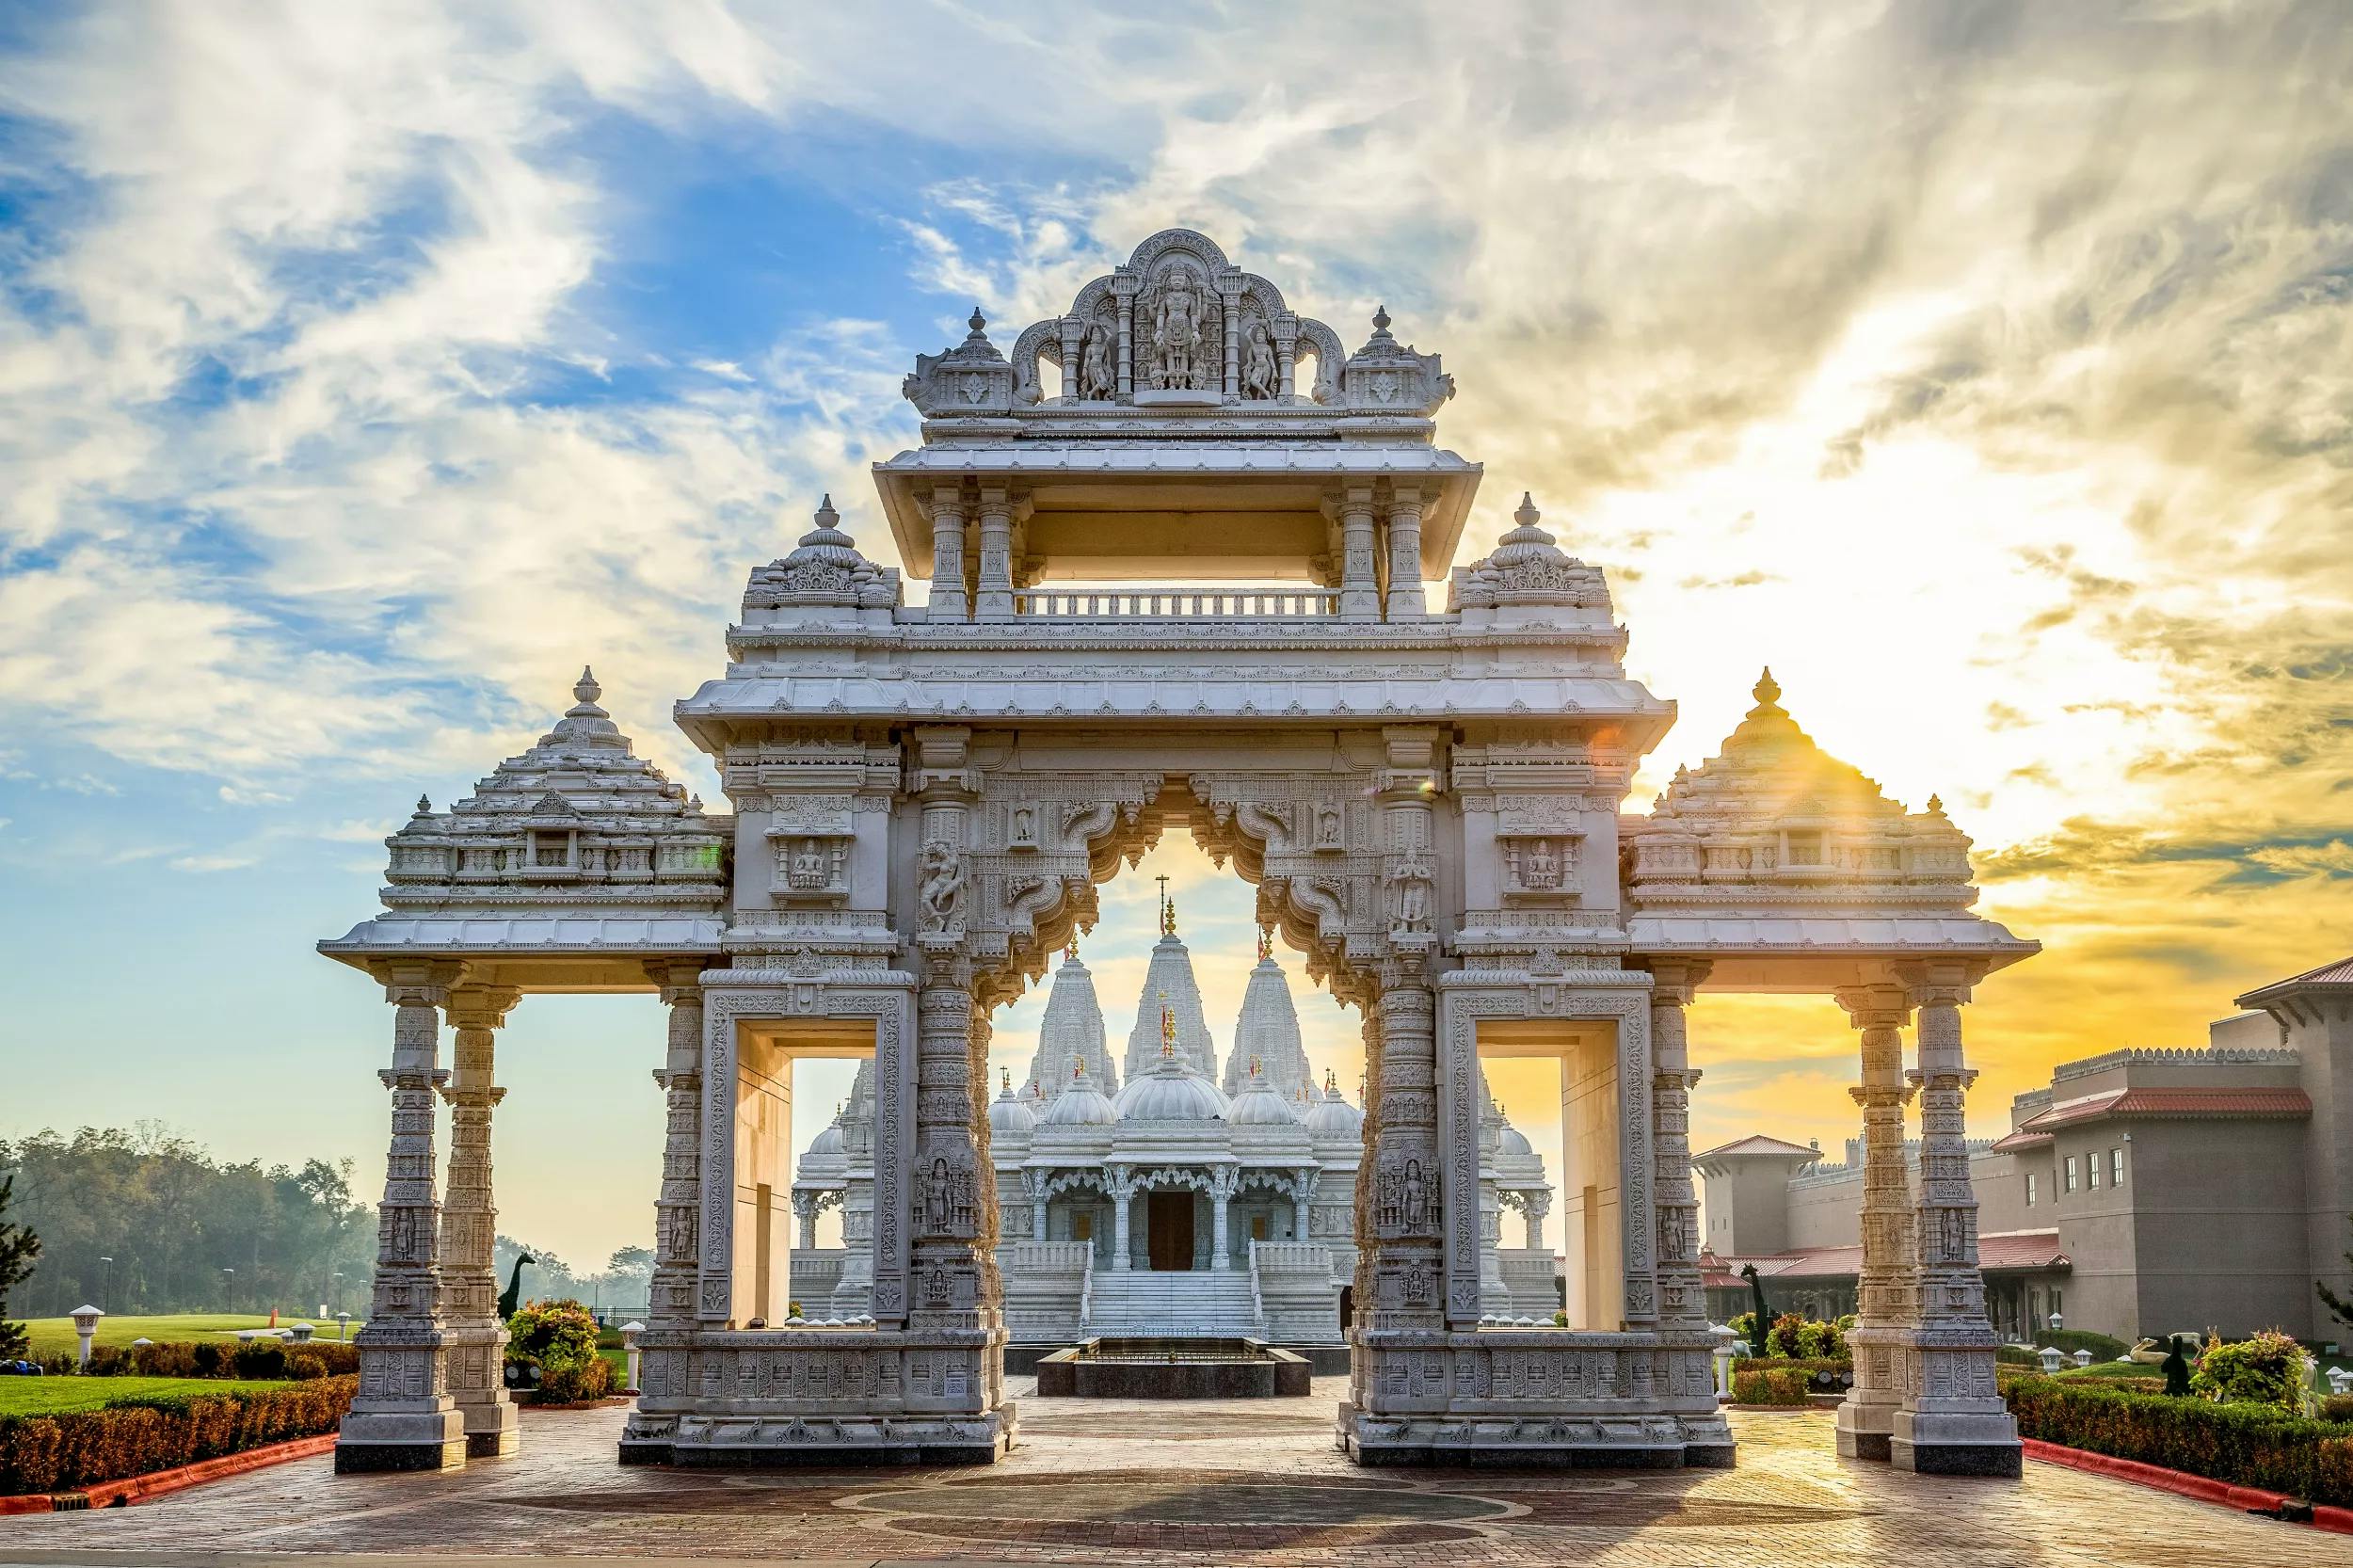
[1769,1385]
[2245,1444]
[252,1359]
[2104,1346]
[57,1453]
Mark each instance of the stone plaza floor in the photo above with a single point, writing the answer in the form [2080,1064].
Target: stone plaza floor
[1250,1482]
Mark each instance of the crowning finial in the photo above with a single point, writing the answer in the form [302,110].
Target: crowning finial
[1168,1028]
[1256,1073]
[1266,943]
[1331,1082]
[976,323]
[1071,953]
[1168,909]
[585,688]
[1936,806]
[424,806]
[1381,320]
[1005,1077]
[1767,690]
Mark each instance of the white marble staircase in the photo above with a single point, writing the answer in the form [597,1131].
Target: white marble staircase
[1204,1304]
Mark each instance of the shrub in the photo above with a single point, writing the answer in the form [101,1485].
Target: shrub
[259,1359]
[2016,1355]
[1823,1374]
[558,1338]
[2337,1408]
[53,1453]
[2246,1445]
[302,1366]
[1802,1339]
[2263,1368]
[1745,1326]
[1752,1384]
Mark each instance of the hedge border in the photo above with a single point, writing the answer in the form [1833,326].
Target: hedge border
[75,1450]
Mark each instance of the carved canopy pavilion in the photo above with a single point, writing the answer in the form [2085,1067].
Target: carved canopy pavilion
[1237,518]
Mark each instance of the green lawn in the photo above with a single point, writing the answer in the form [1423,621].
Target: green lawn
[54,1396]
[55,1335]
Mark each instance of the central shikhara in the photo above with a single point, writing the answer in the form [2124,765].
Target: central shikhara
[1430,805]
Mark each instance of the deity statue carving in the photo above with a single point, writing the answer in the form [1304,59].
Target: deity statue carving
[1260,378]
[1416,1197]
[1410,897]
[1176,342]
[1097,381]
[942,886]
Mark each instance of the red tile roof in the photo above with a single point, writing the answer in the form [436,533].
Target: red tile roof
[2234,1103]
[2002,1251]
[1756,1143]
[2338,973]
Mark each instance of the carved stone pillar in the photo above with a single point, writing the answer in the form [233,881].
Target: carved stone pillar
[1037,1219]
[1221,1195]
[474,1338]
[1682,1297]
[1360,586]
[1406,599]
[1536,1206]
[804,1212]
[992,600]
[1885,1284]
[948,1263]
[1952,1422]
[1406,1199]
[1122,1189]
[1303,1196]
[1124,288]
[402,1417]
[675,1264]
[1229,317]
[1073,333]
[948,601]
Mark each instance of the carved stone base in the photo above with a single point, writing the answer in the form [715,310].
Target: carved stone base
[371,1441]
[750,1397]
[753,1442]
[1954,1442]
[1567,1442]
[495,1442]
[1864,1420]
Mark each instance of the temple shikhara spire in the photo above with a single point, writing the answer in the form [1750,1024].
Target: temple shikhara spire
[1177,556]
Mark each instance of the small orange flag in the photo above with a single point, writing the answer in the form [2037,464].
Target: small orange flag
[273,1316]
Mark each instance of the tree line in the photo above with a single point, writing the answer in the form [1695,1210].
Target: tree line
[142,1220]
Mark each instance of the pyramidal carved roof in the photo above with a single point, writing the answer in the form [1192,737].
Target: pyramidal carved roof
[1168,981]
[1266,1032]
[1072,1031]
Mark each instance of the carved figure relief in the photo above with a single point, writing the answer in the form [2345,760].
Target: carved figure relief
[1024,828]
[942,886]
[1097,381]
[1329,832]
[1260,377]
[1178,307]
[1416,1192]
[1409,897]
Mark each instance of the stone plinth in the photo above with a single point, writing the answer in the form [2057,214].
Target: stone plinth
[1173,1369]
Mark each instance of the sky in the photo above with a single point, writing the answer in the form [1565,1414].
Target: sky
[1982,368]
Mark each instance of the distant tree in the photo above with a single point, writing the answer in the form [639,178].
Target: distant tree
[630,1260]
[2339,1307]
[19,1246]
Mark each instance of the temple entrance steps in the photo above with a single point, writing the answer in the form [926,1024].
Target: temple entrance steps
[1129,1303]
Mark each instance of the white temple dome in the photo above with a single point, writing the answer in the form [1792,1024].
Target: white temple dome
[829,1140]
[1331,1115]
[1079,1104]
[1258,1105]
[1171,1091]
[1009,1117]
[1511,1140]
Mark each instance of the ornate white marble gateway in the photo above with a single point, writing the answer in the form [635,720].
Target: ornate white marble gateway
[1185,589]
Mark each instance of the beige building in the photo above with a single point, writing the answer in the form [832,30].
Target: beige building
[2142,1192]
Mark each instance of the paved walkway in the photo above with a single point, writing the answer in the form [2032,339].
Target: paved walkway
[1253,1481]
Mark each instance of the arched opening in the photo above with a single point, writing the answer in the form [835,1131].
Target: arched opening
[1306,365]
[1049,376]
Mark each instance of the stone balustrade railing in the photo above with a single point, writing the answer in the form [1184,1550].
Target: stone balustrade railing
[1222,604]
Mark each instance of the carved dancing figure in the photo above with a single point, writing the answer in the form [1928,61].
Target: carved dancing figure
[941,886]
[1259,376]
[1097,383]
[1176,333]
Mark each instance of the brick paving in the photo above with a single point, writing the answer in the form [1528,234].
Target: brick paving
[1136,1482]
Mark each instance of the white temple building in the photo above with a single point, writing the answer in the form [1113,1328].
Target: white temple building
[1172,1206]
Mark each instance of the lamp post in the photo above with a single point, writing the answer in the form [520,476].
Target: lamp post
[629,1331]
[110,1275]
[228,1289]
[339,1290]
[85,1328]
[343,1326]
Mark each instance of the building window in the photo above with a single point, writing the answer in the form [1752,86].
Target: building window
[2091,1171]
[2116,1167]
[1257,1227]
[1805,849]
[1082,1227]
[2070,1179]
[2030,1189]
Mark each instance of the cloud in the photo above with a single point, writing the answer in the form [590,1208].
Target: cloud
[207,863]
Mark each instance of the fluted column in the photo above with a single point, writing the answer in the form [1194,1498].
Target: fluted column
[1953,1421]
[1881,1338]
[1303,1196]
[1406,599]
[473,1335]
[402,1417]
[948,601]
[676,1265]
[1360,587]
[805,1211]
[1682,1297]
[1536,1206]
[993,597]
[1221,1194]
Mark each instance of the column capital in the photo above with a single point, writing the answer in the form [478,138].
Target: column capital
[1879,1006]
[677,974]
[480,1006]
[1938,982]
[1675,982]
